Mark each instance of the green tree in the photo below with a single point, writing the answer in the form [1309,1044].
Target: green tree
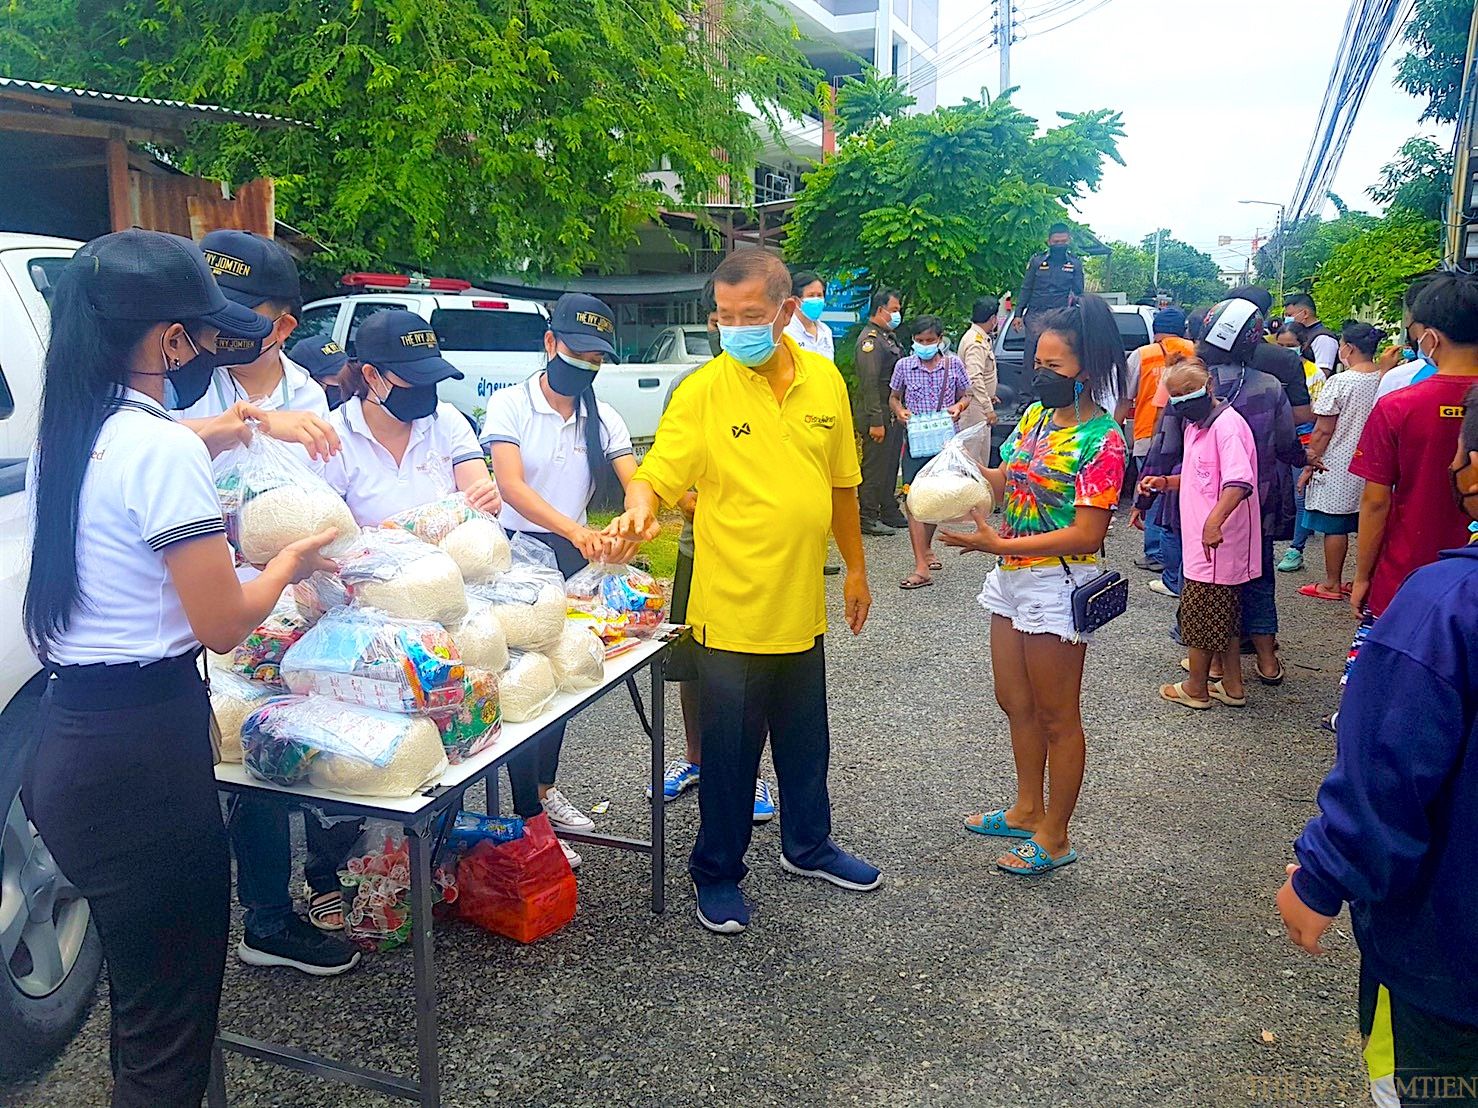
[949,204]
[1186,273]
[465,135]
[1418,179]
[1436,37]
[861,102]
[1309,245]
[1366,276]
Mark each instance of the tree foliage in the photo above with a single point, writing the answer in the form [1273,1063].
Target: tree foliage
[861,102]
[1418,179]
[1189,275]
[464,135]
[1436,37]
[1366,276]
[949,204]
[1309,244]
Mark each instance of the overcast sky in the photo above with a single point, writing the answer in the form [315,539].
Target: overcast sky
[1219,97]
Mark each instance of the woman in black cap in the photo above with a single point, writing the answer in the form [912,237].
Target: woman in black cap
[130,575]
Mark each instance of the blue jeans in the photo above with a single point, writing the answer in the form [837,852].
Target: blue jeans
[1156,538]
[262,844]
[1171,559]
[1301,531]
[1259,604]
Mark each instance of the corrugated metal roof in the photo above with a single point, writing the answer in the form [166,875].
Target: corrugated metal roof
[142,109]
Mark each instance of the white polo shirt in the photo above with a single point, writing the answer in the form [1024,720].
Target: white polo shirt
[553,448]
[823,343]
[366,475]
[296,392]
[148,486]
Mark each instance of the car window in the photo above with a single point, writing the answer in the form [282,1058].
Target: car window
[316,323]
[488,329]
[1132,330]
[43,272]
[363,312]
[697,344]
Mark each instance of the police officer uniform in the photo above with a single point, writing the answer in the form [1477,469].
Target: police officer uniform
[877,352]
[120,782]
[1049,283]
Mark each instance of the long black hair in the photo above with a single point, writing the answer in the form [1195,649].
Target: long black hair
[1090,332]
[88,363]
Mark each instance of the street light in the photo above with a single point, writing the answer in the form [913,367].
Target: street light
[1282,242]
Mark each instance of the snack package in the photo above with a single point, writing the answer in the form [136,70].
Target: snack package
[419,760]
[269,748]
[396,572]
[260,656]
[522,890]
[606,625]
[600,588]
[319,594]
[376,883]
[364,656]
[272,499]
[526,687]
[233,698]
[474,725]
[578,659]
[318,726]
[951,486]
[474,827]
[529,605]
[473,539]
[480,637]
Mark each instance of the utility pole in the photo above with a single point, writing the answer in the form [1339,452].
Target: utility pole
[1005,22]
[1159,235]
[1462,224]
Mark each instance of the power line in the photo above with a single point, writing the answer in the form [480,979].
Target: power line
[1083,14]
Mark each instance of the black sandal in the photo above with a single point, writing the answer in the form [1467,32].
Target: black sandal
[1277,678]
[322,907]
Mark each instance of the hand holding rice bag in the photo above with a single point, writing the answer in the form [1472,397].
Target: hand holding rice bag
[474,725]
[271,500]
[473,539]
[528,603]
[526,687]
[396,572]
[578,659]
[233,698]
[951,486]
[366,657]
[260,656]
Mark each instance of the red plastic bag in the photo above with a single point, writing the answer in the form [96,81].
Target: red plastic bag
[523,890]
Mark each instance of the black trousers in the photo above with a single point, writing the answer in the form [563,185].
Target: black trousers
[261,840]
[1436,1058]
[746,696]
[121,787]
[878,495]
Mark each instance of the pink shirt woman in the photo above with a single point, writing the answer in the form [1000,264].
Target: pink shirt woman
[1217,457]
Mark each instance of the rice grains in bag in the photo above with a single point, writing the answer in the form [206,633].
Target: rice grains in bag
[396,572]
[271,500]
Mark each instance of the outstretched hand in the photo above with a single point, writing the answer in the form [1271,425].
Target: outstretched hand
[984,540]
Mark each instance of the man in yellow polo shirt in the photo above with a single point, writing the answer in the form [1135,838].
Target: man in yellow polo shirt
[764,433]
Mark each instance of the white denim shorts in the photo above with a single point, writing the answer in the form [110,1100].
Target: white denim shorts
[1038,600]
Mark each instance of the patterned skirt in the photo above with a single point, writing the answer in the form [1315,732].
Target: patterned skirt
[1209,614]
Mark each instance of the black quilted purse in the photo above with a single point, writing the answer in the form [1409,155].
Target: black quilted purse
[1097,601]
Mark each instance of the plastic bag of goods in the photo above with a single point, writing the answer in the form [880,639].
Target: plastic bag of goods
[526,687]
[271,499]
[364,656]
[474,725]
[950,487]
[270,749]
[622,590]
[260,656]
[604,624]
[480,637]
[522,890]
[528,603]
[578,659]
[532,554]
[376,885]
[419,758]
[233,698]
[340,746]
[474,827]
[473,539]
[397,573]
[319,594]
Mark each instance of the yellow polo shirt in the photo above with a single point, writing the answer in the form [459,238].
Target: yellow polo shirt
[764,472]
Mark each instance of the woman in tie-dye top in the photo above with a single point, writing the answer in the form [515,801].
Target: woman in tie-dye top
[1060,476]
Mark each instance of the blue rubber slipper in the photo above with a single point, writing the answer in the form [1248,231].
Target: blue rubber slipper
[994,824]
[1037,860]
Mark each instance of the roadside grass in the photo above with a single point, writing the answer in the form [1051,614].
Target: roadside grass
[660,554]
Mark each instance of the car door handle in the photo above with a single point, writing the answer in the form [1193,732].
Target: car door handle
[648,382]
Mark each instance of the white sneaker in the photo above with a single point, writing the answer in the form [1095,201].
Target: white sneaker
[570,855]
[564,816]
[1159,586]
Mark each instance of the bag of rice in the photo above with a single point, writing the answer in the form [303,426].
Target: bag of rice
[480,549]
[475,725]
[260,656]
[480,638]
[526,686]
[233,698]
[529,603]
[396,572]
[318,595]
[600,589]
[418,760]
[578,659]
[363,656]
[271,499]
[951,487]
[435,520]
[319,726]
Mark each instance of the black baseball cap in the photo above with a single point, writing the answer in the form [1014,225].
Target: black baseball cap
[320,356]
[584,323]
[150,275]
[402,343]
[251,268]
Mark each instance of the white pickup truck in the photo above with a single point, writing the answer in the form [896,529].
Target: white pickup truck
[50,956]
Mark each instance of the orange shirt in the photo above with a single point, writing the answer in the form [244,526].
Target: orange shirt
[1152,359]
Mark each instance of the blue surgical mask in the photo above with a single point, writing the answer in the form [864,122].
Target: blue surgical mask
[751,345]
[1289,319]
[926,350]
[812,307]
[895,319]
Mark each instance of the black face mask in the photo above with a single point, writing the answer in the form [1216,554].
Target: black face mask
[334,394]
[568,379]
[187,383]
[715,344]
[1054,390]
[1195,409]
[410,404]
[1459,497]
[1057,253]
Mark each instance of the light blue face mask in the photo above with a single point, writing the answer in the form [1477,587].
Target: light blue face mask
[1289,319]
[926,350]
[895,319]
[752,345]
[812,307]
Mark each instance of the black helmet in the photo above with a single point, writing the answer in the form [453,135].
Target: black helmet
[1235,326]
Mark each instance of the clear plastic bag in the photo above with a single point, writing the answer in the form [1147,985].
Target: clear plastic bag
[530,553]
[232,699]
[951,486]
[473,539]
[419,760]
[474,725]
[526,687]
[480,637]
[434,521]
[396,572]
[376,883]
[260,656]
[363,656]
[578,659]
[318,725]
[319,594]
[529,603]
[602,589]
[271,499]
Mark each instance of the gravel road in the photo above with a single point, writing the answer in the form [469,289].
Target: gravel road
[1155,972]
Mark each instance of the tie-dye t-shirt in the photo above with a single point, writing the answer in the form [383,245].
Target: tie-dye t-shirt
[1051,471]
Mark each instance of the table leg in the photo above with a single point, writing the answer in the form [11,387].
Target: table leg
[495,801]
[659,807]
[215,1092]
[428,1063]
